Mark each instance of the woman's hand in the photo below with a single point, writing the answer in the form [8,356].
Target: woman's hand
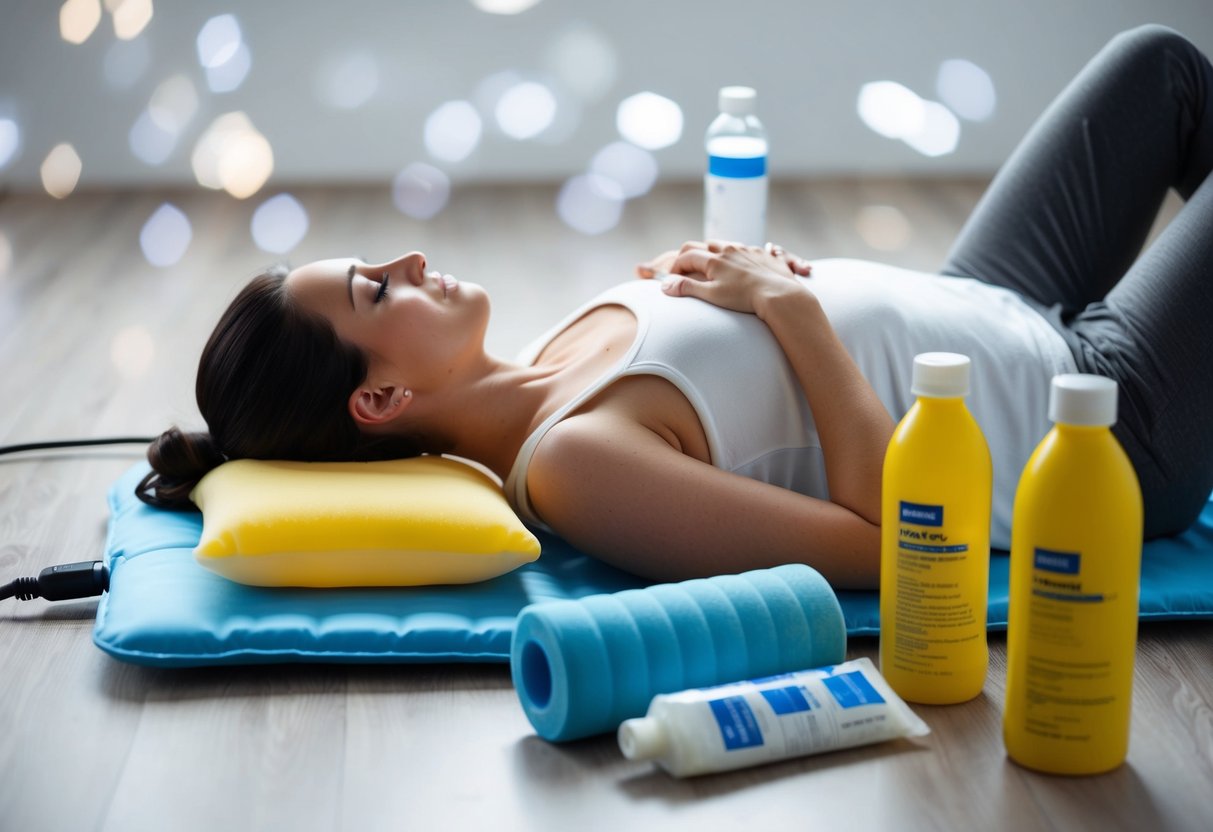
[737,277]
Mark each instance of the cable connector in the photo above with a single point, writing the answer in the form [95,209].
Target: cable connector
[61,583]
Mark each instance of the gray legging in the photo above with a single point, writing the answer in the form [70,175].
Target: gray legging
[1064,221]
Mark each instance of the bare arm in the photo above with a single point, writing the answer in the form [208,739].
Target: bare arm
[617,490]
[852,423]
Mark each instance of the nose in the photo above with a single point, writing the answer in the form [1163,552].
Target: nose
[411,266]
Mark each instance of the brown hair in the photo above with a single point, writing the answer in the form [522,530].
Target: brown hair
[273,383]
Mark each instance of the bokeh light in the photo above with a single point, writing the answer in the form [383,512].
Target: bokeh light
[649,120]
[966,89]
[421,191]
[584,61]
[132,351]
[883,227]
[130,17]
[453,131]
[61,170]
[231,154]
[125,62]
[348,81]
[218,40]
[279,224]
[892,110]
[78,19]
[173,104]
[525,110]
[504,6]
[10,141]
[632,168]
[149,142]
[165,236]
[939,133]
[230,74]
[590,203]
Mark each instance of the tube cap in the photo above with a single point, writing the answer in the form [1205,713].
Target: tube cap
[642,738]
[738,101]
[1082,399]
[940,375]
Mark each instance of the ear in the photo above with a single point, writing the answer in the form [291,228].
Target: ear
[372,406]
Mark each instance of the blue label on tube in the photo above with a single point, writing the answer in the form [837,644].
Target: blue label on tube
[789,700]
[730,167]
[853,689]
[921,515]
[1063,563]
[738,727]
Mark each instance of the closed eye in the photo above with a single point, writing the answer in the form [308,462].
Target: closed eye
[382,288]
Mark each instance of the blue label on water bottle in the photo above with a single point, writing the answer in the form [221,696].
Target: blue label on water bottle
[921,515]
[738,726]
[730,167]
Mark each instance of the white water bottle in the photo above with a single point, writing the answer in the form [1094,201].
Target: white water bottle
[735,187]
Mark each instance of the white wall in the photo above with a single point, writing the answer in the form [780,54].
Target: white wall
[807,59]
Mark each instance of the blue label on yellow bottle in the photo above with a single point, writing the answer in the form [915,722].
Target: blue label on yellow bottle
[920,514]
[738,725]
[1064,563]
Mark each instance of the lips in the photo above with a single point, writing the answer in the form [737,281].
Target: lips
[449,285]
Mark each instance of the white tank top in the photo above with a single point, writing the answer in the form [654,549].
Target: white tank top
[753,411]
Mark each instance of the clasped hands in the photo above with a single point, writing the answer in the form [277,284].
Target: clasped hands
[729,275]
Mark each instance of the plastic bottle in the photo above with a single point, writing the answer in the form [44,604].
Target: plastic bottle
[735,186]
[935,541]
[1075,571]
[760,721]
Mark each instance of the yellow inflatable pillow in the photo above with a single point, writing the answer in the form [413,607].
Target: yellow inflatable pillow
[406,522]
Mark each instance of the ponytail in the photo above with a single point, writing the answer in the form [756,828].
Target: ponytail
[179,460]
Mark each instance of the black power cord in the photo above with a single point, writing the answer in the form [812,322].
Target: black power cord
[67,580]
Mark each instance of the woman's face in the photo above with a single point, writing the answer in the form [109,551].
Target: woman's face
[416,327]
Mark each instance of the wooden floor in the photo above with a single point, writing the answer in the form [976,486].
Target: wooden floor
[94,341]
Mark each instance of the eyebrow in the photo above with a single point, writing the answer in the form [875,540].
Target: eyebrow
[349,284]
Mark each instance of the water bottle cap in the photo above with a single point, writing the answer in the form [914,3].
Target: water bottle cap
[1083,399]
[940,375]
[642,738]
[738,101]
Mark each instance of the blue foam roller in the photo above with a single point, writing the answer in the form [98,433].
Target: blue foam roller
[581,667]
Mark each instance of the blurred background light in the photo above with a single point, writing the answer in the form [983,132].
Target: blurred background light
[149,142]
[230,74]
[503,6]
[279,224]
[130,17]
[125,62]
[61,170]
[78,19]
[165,236]
[525,110]
[173,104]
[584,62]
[348,81]
[231,154]
[966,89]
[632,168]
[218,40]
[890,109]
[421,191]
[649,120]
[883,227]
[452,131]
[10,141]
[590,203]
[939,133]
[132,351]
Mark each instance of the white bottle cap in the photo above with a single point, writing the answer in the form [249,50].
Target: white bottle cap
[940,375]
[738,101]
[642,738]
[1083,400]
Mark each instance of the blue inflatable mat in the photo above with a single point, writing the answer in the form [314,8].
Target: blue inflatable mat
[164,609]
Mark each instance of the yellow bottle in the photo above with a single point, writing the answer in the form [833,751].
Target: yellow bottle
[1075,571]
[935,541]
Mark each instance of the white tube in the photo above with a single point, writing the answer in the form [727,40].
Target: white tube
[763,720]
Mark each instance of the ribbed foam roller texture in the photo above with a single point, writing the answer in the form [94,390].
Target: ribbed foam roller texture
[582,667]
